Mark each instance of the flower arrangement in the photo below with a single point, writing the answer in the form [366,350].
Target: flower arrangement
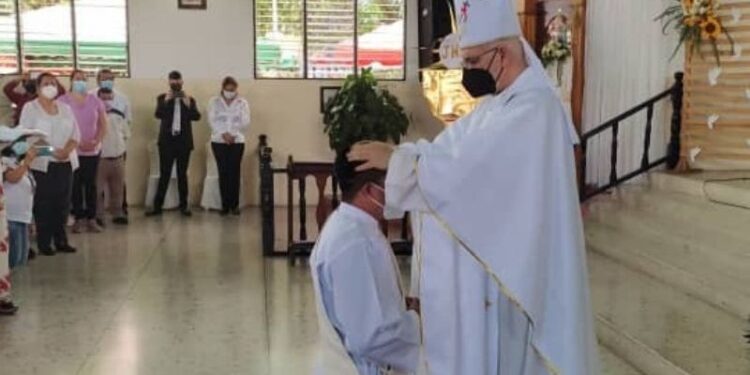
[556,51]
[697,22]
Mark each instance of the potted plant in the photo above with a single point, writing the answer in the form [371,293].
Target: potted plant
[362,111]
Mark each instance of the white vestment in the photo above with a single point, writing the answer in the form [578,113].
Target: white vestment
[364,326]
[499,246]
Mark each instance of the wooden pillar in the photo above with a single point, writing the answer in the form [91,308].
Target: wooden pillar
[579,62]
[575,11]
[266,195]
[527,14]
[673,150]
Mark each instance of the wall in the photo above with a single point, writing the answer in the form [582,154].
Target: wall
[206,46]
[725,145]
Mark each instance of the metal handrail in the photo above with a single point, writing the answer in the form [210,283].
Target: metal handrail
[675,93]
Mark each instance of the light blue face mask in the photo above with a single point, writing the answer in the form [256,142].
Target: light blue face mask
[20,148]
[108,84]
[80,87]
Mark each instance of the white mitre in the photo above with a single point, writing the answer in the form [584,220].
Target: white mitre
[482,21]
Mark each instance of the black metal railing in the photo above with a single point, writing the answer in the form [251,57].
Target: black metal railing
[671,159]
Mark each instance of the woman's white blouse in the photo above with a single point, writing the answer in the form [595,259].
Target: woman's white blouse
[233,118]
[60,128]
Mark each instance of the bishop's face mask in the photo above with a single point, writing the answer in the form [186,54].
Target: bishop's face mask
[480,82]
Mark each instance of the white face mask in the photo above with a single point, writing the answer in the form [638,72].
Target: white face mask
[375,201]
[229,94]
[49,91]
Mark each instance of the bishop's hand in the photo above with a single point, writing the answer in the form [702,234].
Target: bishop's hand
[372,155]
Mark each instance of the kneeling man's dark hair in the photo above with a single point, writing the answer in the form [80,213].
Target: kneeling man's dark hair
[351,181]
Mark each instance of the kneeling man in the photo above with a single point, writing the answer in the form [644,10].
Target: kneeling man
[365,327]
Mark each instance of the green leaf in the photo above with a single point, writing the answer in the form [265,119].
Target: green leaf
[362,111]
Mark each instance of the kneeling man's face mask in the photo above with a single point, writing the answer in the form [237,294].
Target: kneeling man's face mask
[379,200]
[480,82]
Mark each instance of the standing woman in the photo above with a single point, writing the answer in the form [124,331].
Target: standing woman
[53,173]
[91,117]
[229,117]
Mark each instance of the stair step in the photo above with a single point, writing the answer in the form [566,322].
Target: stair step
[730,253]
[690,211]
[715,232]
[630,350]
[710,275]
[724,186]
[614,365]
[673,242]
[681,333]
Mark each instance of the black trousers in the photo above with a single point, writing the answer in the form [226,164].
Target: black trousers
[125,191]
[228,162]
[84,188]
[52,204]
[168,156]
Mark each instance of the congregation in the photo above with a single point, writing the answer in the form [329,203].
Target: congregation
[74,174]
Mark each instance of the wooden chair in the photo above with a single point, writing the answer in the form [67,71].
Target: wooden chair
[299,172]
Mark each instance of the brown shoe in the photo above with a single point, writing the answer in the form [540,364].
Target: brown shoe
[93,227]
[79,226]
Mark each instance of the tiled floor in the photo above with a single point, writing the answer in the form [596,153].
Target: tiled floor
[167,296]
[164,296]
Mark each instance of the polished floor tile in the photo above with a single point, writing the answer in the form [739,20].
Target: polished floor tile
[167,296]
[162,296]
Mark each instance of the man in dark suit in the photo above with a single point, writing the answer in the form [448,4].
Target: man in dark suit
[177,111]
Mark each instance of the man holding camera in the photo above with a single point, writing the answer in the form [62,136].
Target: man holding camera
[177,111]
[23,90]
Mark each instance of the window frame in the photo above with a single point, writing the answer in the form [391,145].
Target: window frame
[74,39]
[304,48]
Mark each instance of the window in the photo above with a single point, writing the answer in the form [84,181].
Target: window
[8,37]
[102,35]
[62,35]
[329,39]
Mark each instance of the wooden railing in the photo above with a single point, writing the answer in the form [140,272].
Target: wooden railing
[671,159]
[267,211]
[296,174]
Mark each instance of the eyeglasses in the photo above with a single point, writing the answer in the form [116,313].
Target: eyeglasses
[472,61]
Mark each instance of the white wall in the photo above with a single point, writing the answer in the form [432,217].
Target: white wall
[202,44]
[208,45]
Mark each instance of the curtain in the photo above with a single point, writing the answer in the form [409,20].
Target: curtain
[627,62]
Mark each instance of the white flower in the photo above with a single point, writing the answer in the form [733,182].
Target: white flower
[694,152]
[711,121]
